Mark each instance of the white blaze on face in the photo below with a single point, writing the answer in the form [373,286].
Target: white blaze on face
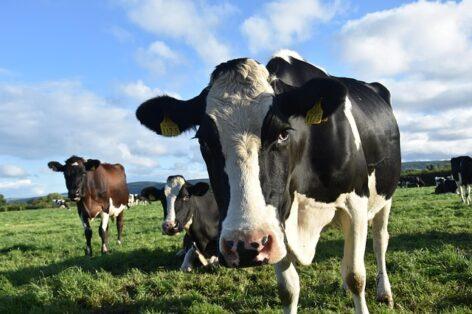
[171,191]
[238,102]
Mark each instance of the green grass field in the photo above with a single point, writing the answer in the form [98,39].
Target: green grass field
[43,267]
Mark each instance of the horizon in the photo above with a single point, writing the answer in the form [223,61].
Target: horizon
[73,74]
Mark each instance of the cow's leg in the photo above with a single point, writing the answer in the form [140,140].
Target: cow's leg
[354,225]
[88,234]
[469,190]
[187,264]
[120,220]
[103,231]
[288,284]
[380,235]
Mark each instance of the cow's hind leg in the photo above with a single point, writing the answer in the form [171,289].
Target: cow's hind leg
[354,225]
[380,235]
[120,220]
[288,284]
[103,231]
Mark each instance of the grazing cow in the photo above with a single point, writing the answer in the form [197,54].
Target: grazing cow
[192,208]
[445,185]
[60,203]
[99,189]
[461,168]
[289,149]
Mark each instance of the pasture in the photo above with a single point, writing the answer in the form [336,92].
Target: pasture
[43,267]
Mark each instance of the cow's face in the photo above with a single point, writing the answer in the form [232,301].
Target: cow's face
[231,113]
[186,204]
[75,172]
[171,191]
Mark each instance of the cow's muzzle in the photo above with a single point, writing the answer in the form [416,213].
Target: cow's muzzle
[246,249]
[171,228]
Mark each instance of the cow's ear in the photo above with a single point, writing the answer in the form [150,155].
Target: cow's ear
[56,166]
[316,100]
[168,116]
[198,189]
[92,164]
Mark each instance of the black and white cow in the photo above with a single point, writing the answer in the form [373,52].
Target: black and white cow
[192,207]
[60,203]
[461,168]
[289,149]
[445,185]
[411,182]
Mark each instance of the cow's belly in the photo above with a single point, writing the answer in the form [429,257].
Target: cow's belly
[115,211]
[376,201]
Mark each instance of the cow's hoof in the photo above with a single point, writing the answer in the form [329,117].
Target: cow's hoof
[186,269]
[386,299]
[119,242]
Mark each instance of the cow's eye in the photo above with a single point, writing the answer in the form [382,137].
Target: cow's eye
[283,137]
[186,197]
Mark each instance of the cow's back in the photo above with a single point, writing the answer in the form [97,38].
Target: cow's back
[379,133]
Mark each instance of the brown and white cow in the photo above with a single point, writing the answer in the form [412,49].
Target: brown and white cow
[99,189]
[289,149]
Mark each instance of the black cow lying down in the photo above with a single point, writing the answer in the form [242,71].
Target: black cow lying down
[289,149]
[192,208]
[445,185]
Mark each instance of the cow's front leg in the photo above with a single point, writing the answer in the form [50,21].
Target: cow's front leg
[120,220]
[88,234]
[103,231]
[288,284]
[380,235]
[354,225]
[187,264]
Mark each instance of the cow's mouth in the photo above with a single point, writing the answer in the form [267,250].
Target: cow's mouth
[172,230]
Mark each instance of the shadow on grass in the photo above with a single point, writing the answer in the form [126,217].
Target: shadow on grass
[117,263]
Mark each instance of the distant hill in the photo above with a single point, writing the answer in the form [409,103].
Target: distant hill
[421,165]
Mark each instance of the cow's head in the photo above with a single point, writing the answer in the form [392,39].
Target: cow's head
[171,191]
[185,205]
[75,172]
[230,113]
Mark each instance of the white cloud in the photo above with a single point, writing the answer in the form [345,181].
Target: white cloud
[428,38]
[120,34]
[423,53]
[15,184]
[157,57]
[285,22]
[12,171]
[62,118]
[138,91]
[194,22]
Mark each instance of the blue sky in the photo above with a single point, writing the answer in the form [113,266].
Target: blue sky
[72,73]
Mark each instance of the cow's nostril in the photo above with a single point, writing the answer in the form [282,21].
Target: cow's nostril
[255,245]
[265,240]
[229,244]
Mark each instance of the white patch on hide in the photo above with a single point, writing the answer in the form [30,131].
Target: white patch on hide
[352,122]
[171,191]
[115,211]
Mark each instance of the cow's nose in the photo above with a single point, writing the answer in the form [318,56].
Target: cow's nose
[169,228]
[253,250]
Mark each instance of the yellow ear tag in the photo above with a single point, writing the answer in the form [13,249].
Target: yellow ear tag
[169,127]
[315,114]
